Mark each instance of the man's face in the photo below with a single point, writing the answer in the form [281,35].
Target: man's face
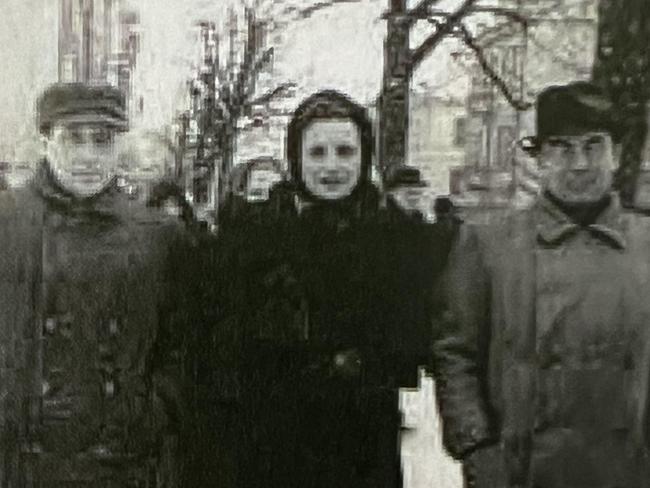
[411,198]
[82,157]
[260,183]
[331,158]
[577,169]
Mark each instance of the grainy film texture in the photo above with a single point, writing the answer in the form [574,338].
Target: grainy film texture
[300,243]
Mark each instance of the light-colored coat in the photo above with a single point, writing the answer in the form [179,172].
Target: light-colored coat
[543,357]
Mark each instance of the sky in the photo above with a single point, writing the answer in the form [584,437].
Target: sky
[28,63]
[338,47]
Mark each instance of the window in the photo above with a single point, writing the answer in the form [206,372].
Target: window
[460,127]
[317,151]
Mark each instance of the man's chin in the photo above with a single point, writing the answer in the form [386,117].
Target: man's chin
[579,198]
[331,192]
[84,189]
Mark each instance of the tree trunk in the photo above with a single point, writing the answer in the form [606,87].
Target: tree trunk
[394,99]
[622,69]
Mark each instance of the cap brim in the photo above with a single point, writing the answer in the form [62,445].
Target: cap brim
[94,119]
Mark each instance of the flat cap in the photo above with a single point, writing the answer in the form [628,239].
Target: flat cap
[82,104]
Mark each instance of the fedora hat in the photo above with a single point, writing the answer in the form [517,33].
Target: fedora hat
[570,110]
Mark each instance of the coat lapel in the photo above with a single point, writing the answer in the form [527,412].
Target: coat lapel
[554,227]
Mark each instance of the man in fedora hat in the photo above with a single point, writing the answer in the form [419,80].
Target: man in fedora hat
[89,389]
[406,193]
[543,349]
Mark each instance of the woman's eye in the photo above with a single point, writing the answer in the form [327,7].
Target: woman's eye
[317,151]
[345,151]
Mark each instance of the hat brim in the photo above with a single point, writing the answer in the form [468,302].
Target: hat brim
[530,145]
[94,119]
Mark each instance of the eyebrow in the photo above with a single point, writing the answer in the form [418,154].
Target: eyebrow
[595,139]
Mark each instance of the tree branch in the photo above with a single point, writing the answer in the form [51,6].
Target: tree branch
[419,10]
[418,54]
[264,98]
[470,42]
[308,11]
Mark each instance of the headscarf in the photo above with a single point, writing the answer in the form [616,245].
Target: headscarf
[329,104]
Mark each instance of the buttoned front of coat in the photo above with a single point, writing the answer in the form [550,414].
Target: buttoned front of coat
[97,290]
[545,349]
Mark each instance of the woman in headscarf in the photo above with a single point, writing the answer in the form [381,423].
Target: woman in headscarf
[323,335]
[314,411]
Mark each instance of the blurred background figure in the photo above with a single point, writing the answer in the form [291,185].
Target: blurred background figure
[445,212]
[263,174]
[249,191]
[407,195]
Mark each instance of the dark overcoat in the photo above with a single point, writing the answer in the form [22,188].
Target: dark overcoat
[324,313]
[90,389]
[543,353]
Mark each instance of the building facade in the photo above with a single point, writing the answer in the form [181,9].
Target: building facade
[88,40]
[528,46]
[436,137]
[99,42]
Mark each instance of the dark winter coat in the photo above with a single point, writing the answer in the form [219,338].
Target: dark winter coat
[325,314]
[90,384]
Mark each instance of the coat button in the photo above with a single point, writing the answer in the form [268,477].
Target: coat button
[109,388]
[50,325]
[348,363]
[113,327]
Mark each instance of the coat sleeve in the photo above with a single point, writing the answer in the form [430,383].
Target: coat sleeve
[460,347]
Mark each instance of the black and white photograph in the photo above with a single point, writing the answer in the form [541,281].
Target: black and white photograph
[324,244]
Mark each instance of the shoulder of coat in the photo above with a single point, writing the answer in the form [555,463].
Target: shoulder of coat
[636,226]
[502,228]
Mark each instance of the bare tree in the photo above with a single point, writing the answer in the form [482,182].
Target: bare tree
[623,68]
[400,63]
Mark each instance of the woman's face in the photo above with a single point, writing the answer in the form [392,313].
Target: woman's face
[331,157]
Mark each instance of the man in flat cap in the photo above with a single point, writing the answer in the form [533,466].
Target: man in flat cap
[89,389]
[542,359]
